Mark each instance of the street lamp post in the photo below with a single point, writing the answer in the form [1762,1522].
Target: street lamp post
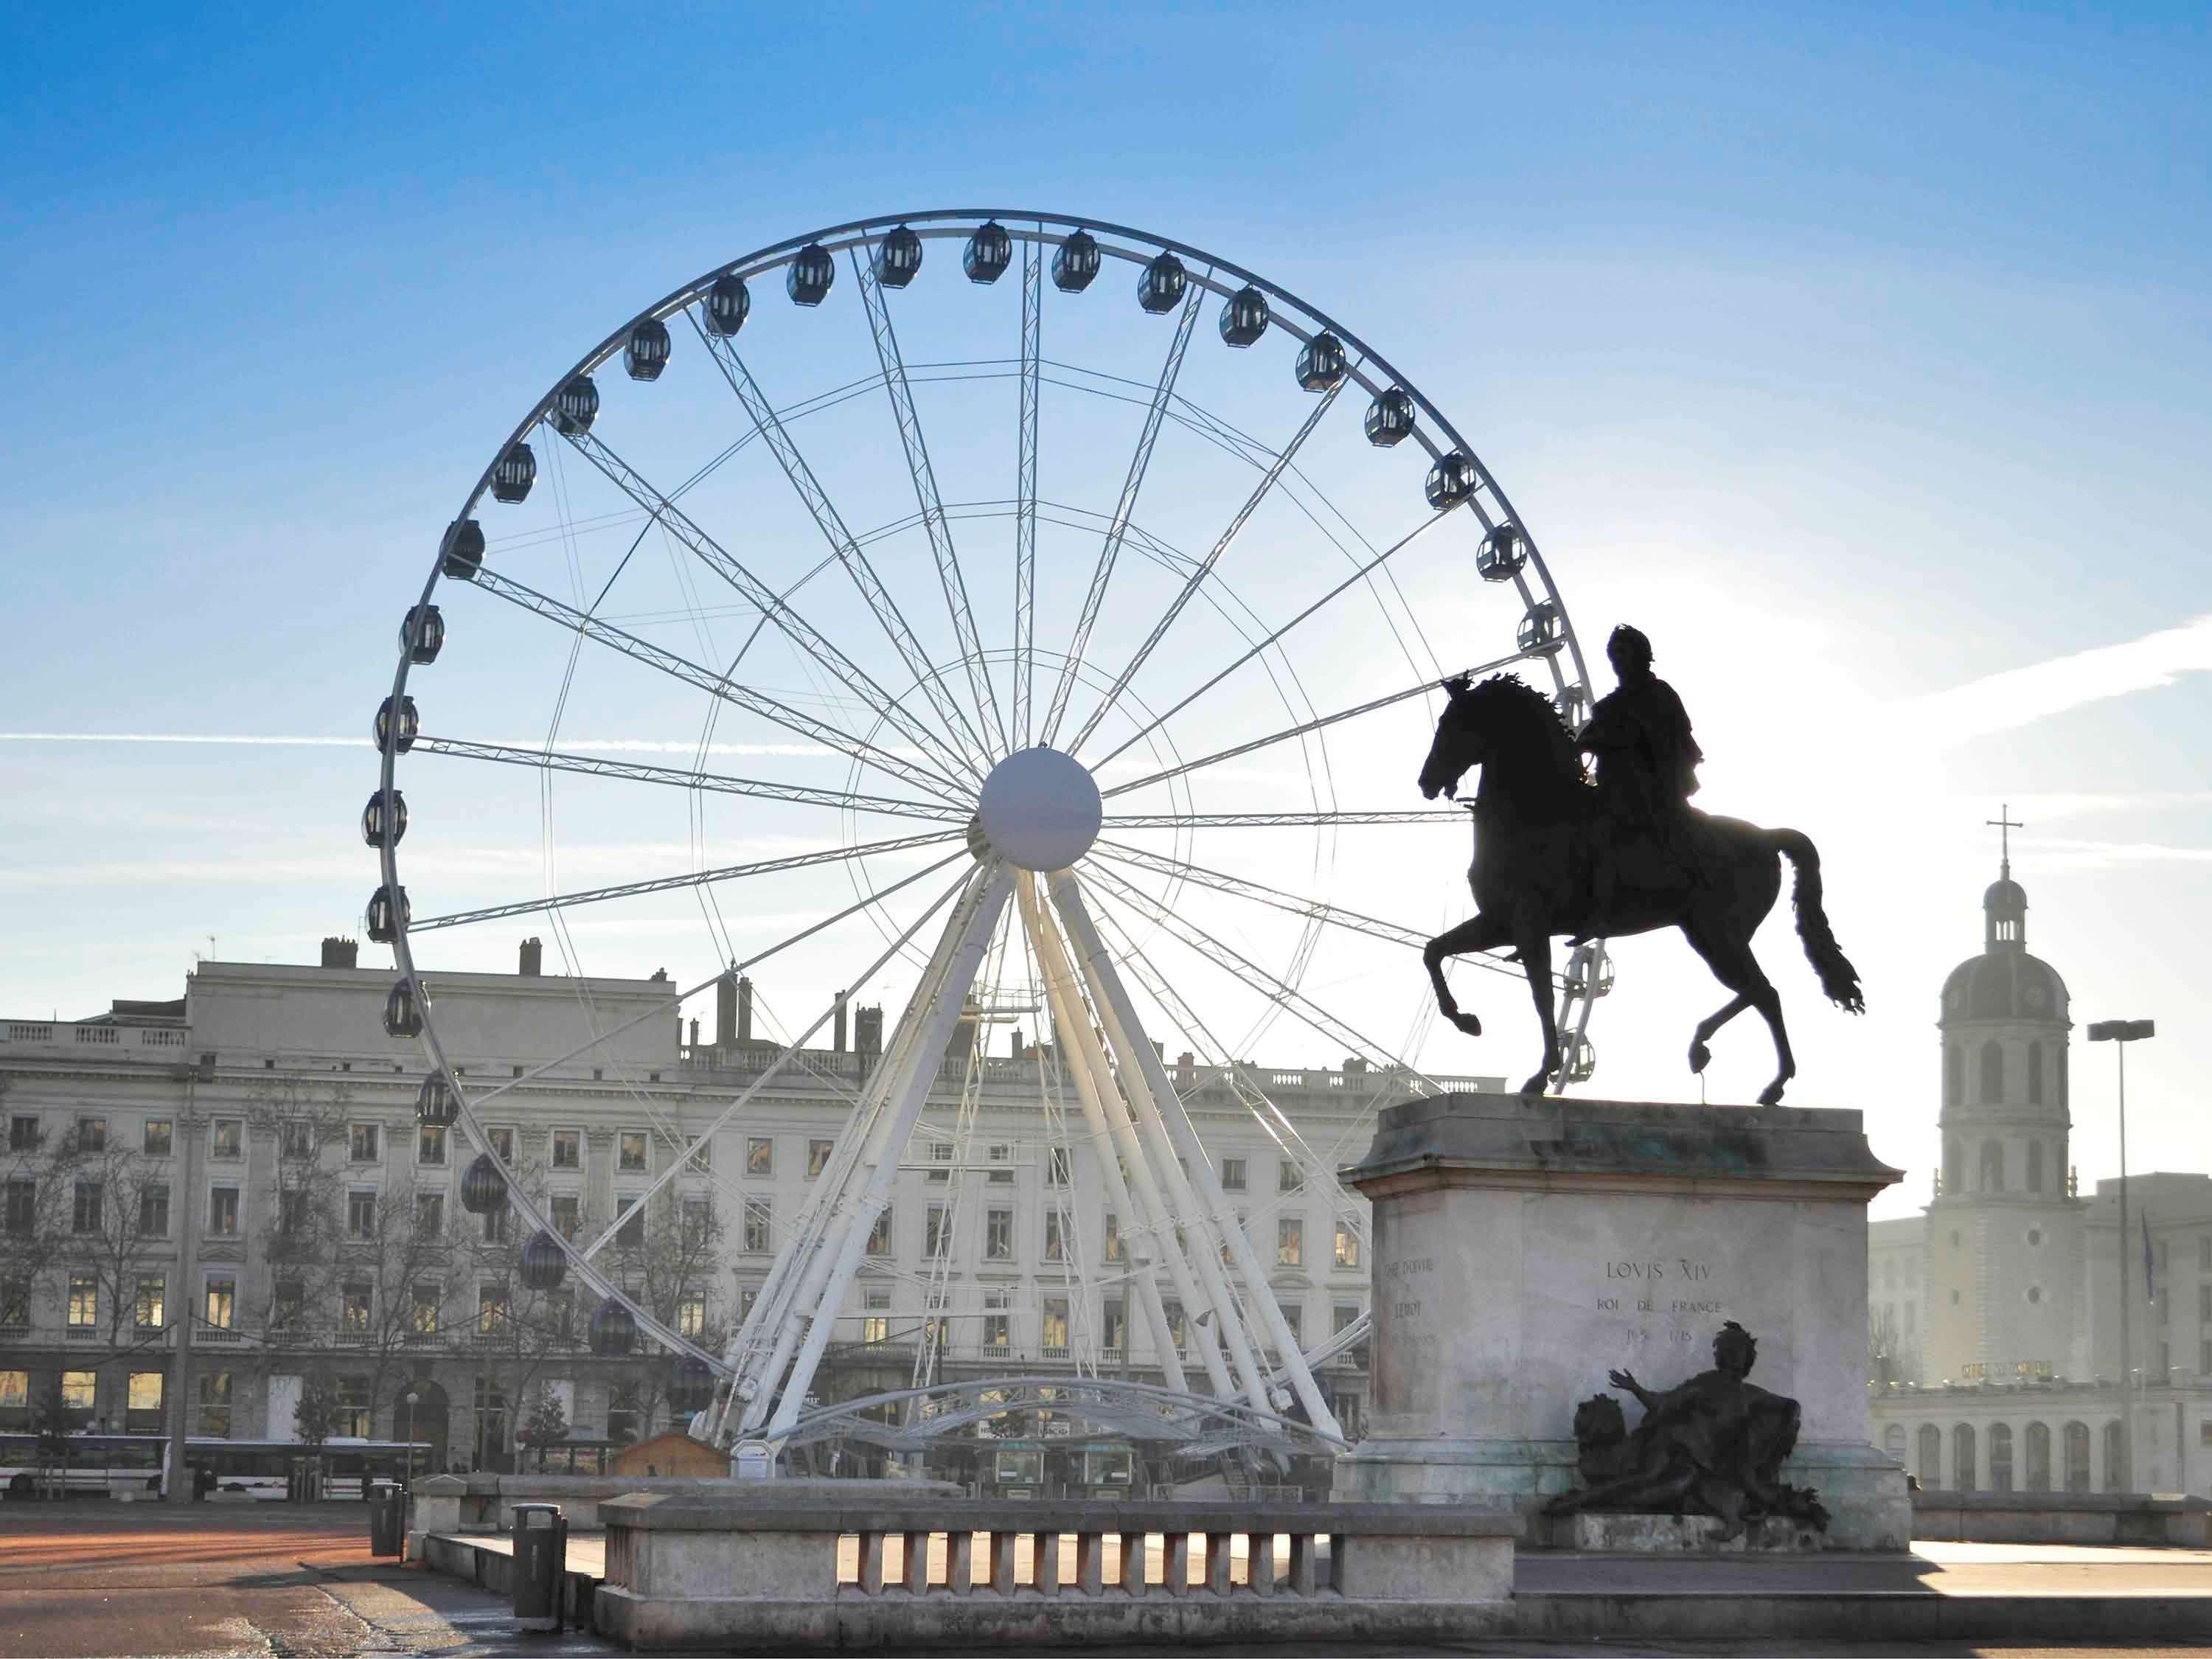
[2122,1032]
[407,1433]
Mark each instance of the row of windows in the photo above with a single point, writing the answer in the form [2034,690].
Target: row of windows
[1110,1332]
[1990,1074]
[2033,1468]
[355,1308]
[757,1234]
[365,1144]
[144,1397]
[1990,1172]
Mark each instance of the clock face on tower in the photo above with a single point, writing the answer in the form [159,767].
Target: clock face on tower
[2038,998]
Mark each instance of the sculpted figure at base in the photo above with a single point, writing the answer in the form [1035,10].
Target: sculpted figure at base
[1558,852]
[1714,1445]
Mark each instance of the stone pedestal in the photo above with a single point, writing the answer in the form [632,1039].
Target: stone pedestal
[1523,1248]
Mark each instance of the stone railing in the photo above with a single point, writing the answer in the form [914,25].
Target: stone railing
[2060,1518]
[816,1572]
[485,1502]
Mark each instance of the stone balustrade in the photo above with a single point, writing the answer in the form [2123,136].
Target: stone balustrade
[485,1502]
[816,1571]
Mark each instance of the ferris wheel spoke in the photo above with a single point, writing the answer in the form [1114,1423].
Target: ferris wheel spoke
[958,729]
[1113,697]
[772,606]
[718,685]
[1240,967]
[1138,463]
[1333,594]
[1303,727]
[1274,820]
[948,573]
[683,778]
[1335,916]
[1025,489]
[690,878]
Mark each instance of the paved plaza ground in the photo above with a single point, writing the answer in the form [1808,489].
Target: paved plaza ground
[98,1581]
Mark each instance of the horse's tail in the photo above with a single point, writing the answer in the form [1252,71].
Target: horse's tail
[1838,977]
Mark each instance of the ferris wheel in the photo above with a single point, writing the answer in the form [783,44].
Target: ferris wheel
[1006,617]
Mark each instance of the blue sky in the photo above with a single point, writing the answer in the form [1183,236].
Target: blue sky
[1860,355]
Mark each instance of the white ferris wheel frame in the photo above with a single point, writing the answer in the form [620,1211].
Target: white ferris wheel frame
[1125,1095]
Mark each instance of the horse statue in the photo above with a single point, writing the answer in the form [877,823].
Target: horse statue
[1549,861]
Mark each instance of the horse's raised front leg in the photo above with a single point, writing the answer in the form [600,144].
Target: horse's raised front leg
[1536,950]
[1477,932]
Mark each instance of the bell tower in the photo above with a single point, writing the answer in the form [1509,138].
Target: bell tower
[2004,1234]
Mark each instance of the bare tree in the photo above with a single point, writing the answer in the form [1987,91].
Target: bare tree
[118,1203]
[667,1260]
[1890,1356]
[34,1219]
[394,1266]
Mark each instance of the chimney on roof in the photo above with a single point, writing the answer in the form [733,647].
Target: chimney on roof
[341,952]
[534,959]
[726,1011]
[868,1031]
[744,1010]
[837,1031]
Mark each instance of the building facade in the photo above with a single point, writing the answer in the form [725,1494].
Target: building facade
[1994,1342]
[249,1157]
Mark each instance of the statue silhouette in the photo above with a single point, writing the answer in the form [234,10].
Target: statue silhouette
[1647,759]
[1552,855]
[1714,1445]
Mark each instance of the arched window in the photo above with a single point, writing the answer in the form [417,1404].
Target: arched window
[1954,1166]
[1962,1458]
[2035,1166]
[2077,1457]
[2115,1477]
[1992,1074]
[1931,1456]
[1893,1441]
[2038,1458]
[1954,1075]
[2001,1457]
[2035,1074]
[1992,1172]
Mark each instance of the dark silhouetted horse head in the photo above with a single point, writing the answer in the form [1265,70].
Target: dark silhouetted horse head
[1502,720]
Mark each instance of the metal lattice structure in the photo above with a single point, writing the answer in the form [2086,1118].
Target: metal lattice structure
[1168,604]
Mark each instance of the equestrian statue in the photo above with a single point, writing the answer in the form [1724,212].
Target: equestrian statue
[1560,851]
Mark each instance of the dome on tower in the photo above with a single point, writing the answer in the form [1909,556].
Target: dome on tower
[2004,981]
[2004,985]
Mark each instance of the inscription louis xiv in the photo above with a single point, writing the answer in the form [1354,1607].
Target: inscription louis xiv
[1645,1276]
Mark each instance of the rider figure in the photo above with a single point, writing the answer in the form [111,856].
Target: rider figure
[1647,760]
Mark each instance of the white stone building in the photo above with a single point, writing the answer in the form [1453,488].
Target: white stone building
[210,1125]
[1996,1354]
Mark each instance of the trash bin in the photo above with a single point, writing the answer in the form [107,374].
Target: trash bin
[541,1561]
[387,1522]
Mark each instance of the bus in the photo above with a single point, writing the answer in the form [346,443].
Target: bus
[93,1465]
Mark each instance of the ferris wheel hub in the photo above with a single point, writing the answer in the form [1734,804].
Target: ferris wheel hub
[1040,809]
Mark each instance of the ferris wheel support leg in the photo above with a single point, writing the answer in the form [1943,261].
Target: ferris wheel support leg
[1068,1016]
[1157,1209]
[830,1273]
[1067,897]
[1208,1228]
[762,1345]
[747,1347]
[1214,1229]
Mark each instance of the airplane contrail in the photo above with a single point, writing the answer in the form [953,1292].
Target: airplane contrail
[2020,696]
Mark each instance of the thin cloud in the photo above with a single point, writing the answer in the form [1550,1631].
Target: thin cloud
[2021,697]
[597,745]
